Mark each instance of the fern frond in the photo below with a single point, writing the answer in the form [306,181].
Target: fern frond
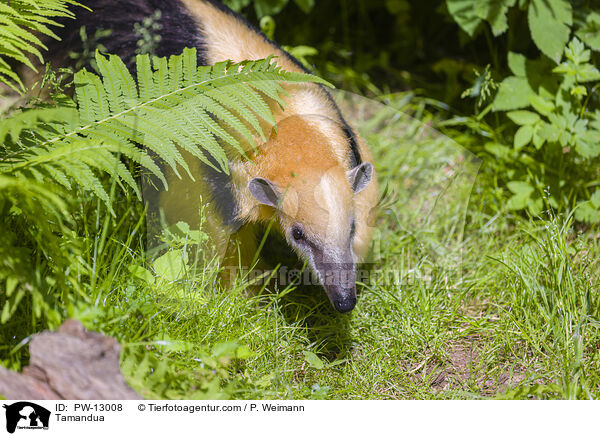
[173,105]
[51,202]
[21,21]
[28,119]
[42,216]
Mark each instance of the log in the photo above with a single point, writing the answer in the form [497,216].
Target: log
[71,364]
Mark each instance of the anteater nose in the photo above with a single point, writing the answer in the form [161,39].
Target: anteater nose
[344,304]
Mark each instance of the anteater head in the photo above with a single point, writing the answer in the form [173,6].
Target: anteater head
[302,177]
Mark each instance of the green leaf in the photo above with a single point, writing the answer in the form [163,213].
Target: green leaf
[549,22]
[268,7]
[517,63]
[169,345]
[180,235]
[540,104]
[595,198]
[579,91]
[523,137]
[523,118]
[11,285]
[522,192]
[6,313]
[22,25]
[588,211]
[305,5]
[498,150]
[243,352]
[142,274]
[551,131]
[587,144]
[171,266]
[538,139]
[577,68]
[588,73]
[463,12]
[577,53]
[225,349]
[513,93]
[494,12]
[313,360]
[590,31]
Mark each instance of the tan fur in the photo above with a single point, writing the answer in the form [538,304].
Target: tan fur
[297,158]
[229,39]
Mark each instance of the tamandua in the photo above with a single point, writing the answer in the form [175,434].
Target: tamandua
[314,176]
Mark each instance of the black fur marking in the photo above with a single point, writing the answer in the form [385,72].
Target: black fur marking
[178,29]
[355,159]
[223,196]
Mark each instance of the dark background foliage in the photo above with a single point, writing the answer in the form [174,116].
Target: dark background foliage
[396,44]
[455,57]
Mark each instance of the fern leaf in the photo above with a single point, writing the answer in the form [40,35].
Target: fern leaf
[161,77]
[28,119]
[9,77]
[59,176]
[21,21]
[189,65]
[183,116]
[145,78]
[48,201]
[85,177]
[113,88]
[228,96]
[173,105]
[119,145]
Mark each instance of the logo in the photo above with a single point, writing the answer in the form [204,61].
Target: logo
[26,415]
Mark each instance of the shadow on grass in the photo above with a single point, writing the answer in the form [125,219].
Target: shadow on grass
[329,331]
[306,306]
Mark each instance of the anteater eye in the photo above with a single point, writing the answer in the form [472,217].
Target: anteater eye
[297,234]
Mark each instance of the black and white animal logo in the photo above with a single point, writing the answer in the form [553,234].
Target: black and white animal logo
[26,415]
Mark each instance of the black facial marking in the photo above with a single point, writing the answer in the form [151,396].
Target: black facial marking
[222,194]
[355,158]
[352,228]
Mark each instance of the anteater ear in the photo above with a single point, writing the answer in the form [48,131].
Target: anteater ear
[264,191]
[360,176]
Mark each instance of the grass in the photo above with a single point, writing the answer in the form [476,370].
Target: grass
[460,304]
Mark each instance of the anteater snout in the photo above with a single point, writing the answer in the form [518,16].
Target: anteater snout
[345,302]
[340,284]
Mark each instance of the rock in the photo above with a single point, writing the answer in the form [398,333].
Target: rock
[71,363]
